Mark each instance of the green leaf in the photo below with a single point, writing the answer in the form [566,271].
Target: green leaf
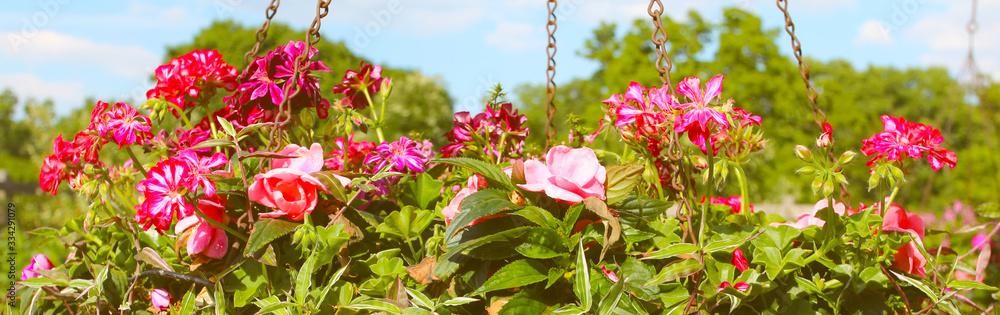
[226,126]
[538,216]
[250,276]
[809,286]
[187,303]
[272,305]
[519,273]
[423,191]
[248,129]
[331,183]
[724,245]
[510,236]
[420,299]
[920,285]
[416,311]
[673,250]
[495,177]
[220,299]
[642,206]
[610,301]
[525,302]
[211,143]
[581,282]
[265,231]
[568,309]
[303,281]
[541,243]
[677,270]
[39,282]
[376,306]
[406,223]
[150,256]
[330,283]
[970,284]
[989,210]
[459,301]
[620,181]
[483,203]
[554,275]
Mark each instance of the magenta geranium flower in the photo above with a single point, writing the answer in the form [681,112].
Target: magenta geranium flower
[402,153]
[568,174]
[697,113]
[125,125]
[902,138]
[164,191]
[262,86]
[355,83]
[200,165]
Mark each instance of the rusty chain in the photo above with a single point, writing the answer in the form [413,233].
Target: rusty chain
[818,115]
[550,91]
[272,9]
[301,63]
[659,39]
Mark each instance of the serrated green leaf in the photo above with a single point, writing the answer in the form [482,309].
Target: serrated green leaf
[524,302]
[505,236]
[494,176]
[518,273]
[265,231]
[673,250]
[483,203]
[620,181]
[674,271]
[541,243]
[538,216]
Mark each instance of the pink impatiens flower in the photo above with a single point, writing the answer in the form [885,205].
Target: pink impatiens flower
[473,185]
[908,257]
[292,192]
[206,239]
[307,160]
[38,262]
[160,299]
[568,174]
[164,191]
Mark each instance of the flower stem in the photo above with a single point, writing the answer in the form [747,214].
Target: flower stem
[710,185]
[740,177]
[378,123]
[180,112]
[135,160]
[219,225]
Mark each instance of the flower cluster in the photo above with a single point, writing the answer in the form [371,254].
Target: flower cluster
[498,132]
[167,183]
[120,123]
[352,157]
[263,86]
[192,77]
[903,138]
[356,83]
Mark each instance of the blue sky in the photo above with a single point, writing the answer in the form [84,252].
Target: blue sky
[67,50]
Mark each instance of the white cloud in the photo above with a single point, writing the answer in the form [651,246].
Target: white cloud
[47,47]
[945,35]
[516,36]
[874,33]
[27,85]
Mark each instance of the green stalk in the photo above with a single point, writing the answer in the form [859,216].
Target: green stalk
[135,161]
[181,113]
[378,123]
[740,177]
[219,225]
[710,186]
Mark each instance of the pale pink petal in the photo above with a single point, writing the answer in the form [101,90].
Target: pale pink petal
[713,88]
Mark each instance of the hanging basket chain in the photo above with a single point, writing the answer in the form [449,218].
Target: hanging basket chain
[818,115]
[550,91]
[272,9]
[659,39]
[284,113]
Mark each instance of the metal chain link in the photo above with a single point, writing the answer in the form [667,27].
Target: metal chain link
[550,91]
[262,32]
[818,115]
[659,39]
[301,63]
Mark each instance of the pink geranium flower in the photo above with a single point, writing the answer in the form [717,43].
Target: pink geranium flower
[355,83]
[164,191]
[697,113]
[126,126]
[901,138]
[403,155]
[908,257]
[202,166]
[38,262]
[568,174]
[185,79]
[291,192]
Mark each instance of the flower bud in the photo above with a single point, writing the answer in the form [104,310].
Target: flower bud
[160,299]
[803,153]
[739,260]
[847,158]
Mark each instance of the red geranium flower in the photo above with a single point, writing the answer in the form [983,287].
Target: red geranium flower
[355,83]
[902,138]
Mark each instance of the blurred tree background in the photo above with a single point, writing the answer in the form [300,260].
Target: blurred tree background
[758,77]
